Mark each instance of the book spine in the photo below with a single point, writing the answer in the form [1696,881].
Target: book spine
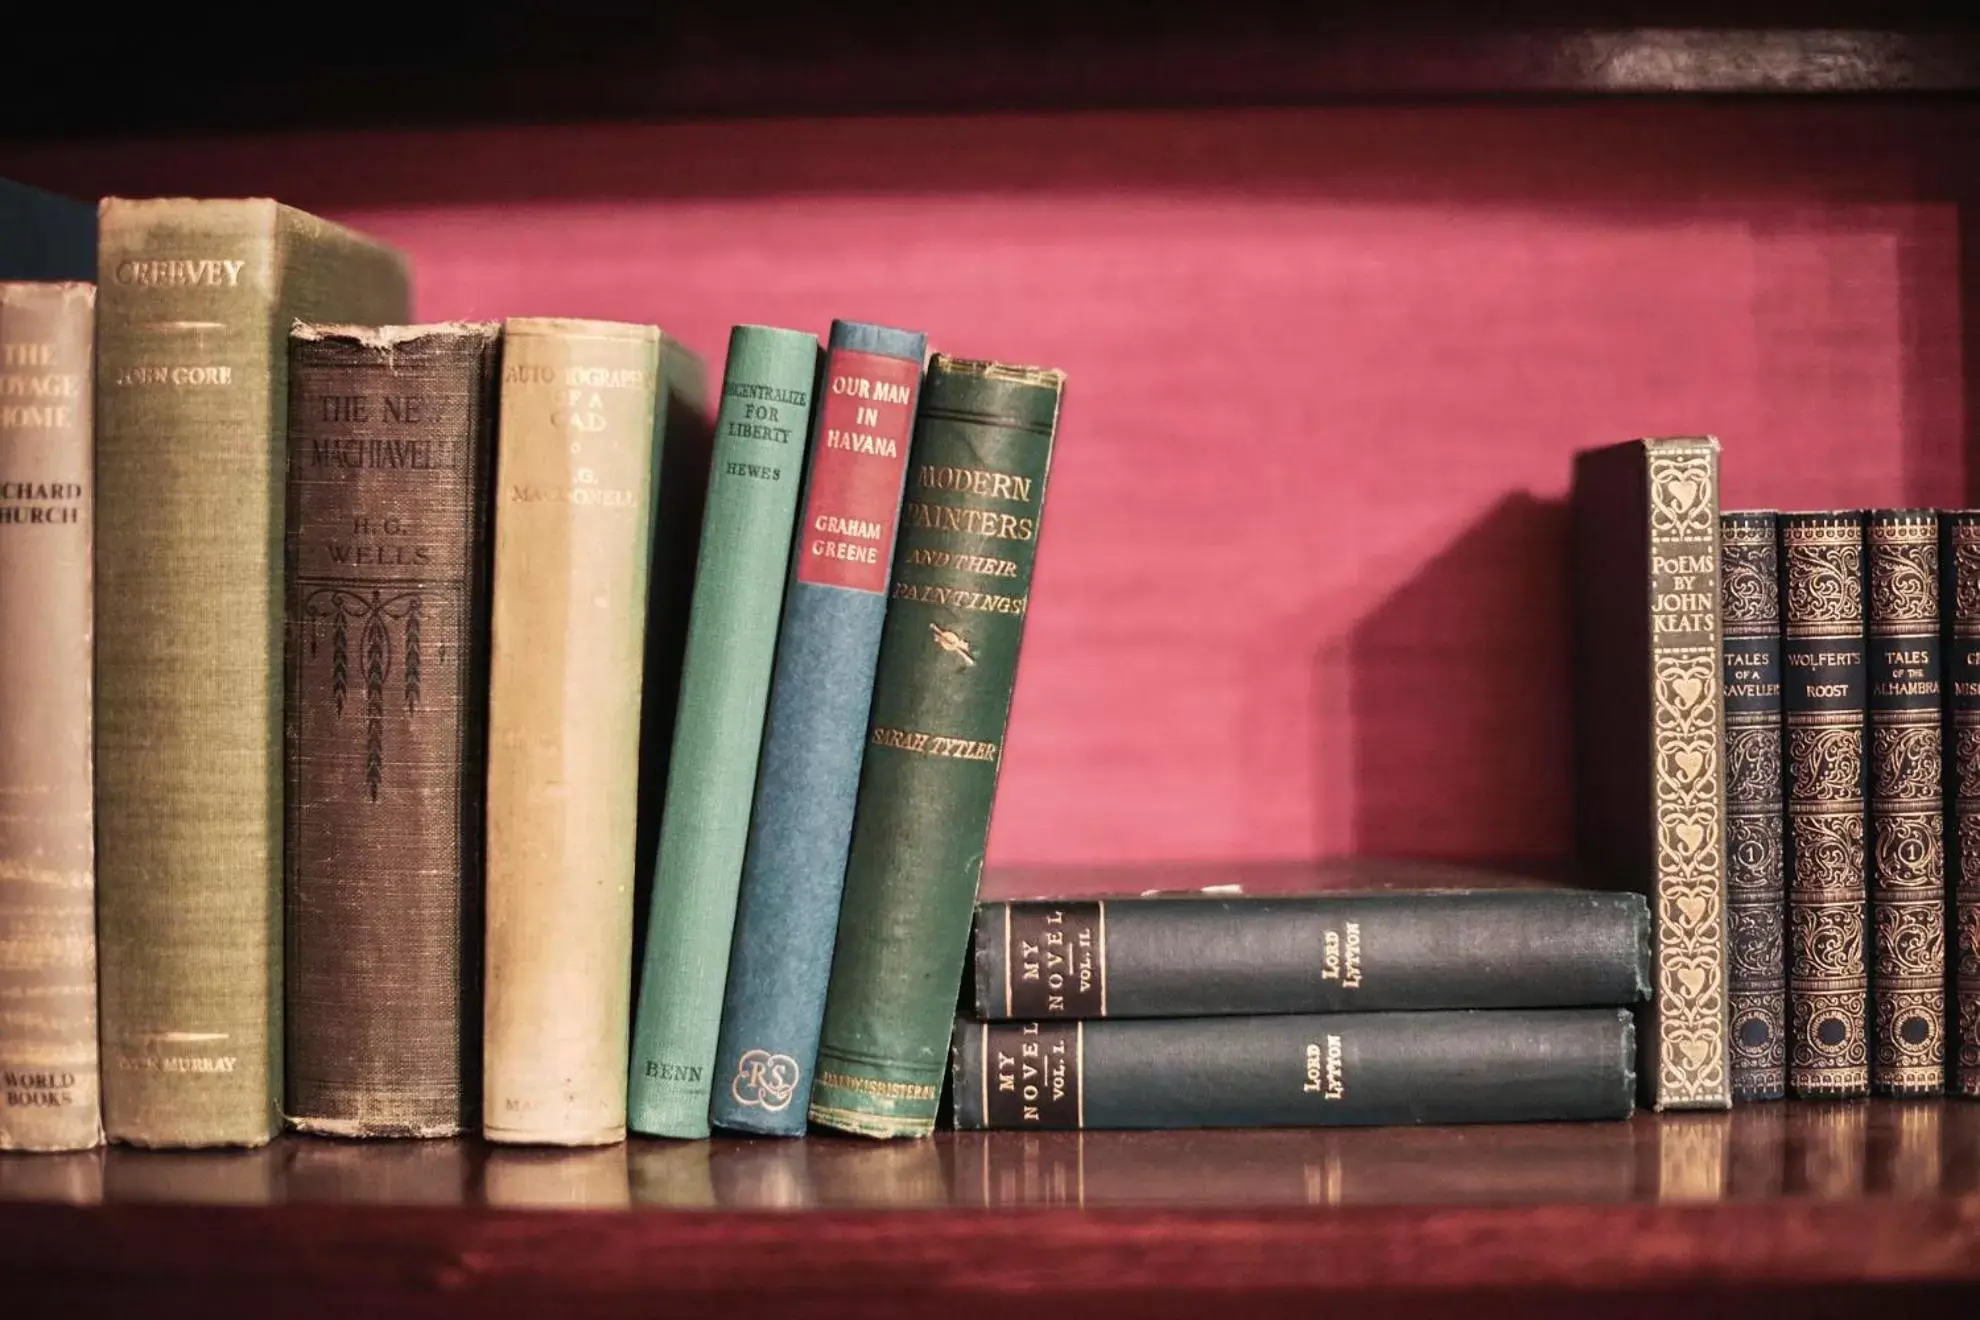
[573,534]
[814,736]
[1513,1065]
[391,447]
[1907,805]
[1961,609]
[44,236]
[941,706]
[1823,699]
[1202,957]
[193,307]
[760,437]
[1756,892]
[49,1079]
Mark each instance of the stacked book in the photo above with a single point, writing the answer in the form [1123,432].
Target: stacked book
[1416,994]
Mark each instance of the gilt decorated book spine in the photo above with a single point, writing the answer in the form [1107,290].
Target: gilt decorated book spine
[194,304]
[1649,729]
[1825,676]
[391,446]
[48,1058]
[1756,892]
[1296,1070]
[758,465]
[575,492]
[1961,609]
[1907,805]
[941,707]
[815,735]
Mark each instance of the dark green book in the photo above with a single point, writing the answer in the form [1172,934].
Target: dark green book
[1298,1070]
[941,703]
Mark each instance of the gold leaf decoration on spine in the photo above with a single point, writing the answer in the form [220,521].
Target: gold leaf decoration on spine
[1962,566]
[1687,737]
[1827,836]
[1750,612]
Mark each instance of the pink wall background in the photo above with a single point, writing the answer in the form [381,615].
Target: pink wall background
[1302,582]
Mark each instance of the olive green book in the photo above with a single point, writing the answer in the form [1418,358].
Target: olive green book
[194,307]
[941,703]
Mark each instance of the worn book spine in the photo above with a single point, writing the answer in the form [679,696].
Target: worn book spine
[760,437]
[941,706]
[1961,612]
[1649,730]
[814,736]
[1907,805]
[575,491]
[1337,953]
[1756,892]
[194,304]
[48,1057]
[391,448]
[1299,1070]
[1823,697]
[44,236]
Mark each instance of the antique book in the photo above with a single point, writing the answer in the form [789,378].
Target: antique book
[580,440]
[814,736]
[941,705]
[1824,676]
[391,454]
[1649,802]
[1208,955]
[48,1059]
[44,236]
[761,432]
[1907,856]
[1509,1065]
[1960,578]
[1756,894]
[194,304]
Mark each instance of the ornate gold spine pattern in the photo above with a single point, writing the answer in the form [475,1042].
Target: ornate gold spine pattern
[1823,698]
[1907,809]
[1756,895]
[1687,735]
[1961,539]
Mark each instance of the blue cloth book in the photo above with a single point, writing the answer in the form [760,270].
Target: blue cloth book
[821,690]
[45,237]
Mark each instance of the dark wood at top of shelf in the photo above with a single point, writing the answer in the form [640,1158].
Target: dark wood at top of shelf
[582,60]
[1820,1205]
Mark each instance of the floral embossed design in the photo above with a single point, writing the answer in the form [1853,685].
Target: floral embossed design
[1682,502]
[1825,584]
[1904,581]
[1749,590]
[1756,941]
[1754,853]
[1826,763]
[1911,939]
[1906,759]
[1827,942]
[1966,571]
[1909,853]
[1753,765]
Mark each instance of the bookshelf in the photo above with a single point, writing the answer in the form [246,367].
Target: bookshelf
[1337,297]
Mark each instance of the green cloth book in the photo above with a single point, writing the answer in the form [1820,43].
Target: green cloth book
[753,483]
[941,704]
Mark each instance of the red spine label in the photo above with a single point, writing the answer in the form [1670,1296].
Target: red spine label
[853,508]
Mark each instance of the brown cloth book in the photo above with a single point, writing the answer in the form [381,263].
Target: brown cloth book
[48,1059]
[391,451]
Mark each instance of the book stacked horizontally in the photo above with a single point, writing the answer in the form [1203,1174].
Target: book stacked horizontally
[1385,993]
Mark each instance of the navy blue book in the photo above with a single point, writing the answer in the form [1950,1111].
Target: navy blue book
[814,739]
[45,237]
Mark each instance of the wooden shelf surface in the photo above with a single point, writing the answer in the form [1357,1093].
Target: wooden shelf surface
[1821,1206]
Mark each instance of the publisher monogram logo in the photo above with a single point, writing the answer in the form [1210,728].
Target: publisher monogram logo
[764,1080]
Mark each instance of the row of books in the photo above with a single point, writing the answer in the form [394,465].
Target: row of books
[421,652]
[1778,740]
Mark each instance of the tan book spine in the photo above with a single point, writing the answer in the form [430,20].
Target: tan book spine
[48,1056]
[195,303]
[575,491]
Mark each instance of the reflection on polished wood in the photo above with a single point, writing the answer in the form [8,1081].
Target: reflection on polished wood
[1795,1151]
[1798,1210]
